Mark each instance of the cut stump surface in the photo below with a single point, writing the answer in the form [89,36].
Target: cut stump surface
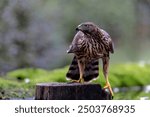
[70,91]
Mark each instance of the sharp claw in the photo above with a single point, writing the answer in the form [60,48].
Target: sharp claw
[81,80]
[75,81]
[106,86]
[109,88]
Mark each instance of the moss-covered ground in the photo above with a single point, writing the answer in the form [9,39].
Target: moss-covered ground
[21,83]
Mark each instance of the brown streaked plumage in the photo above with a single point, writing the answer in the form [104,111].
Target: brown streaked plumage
[89,45]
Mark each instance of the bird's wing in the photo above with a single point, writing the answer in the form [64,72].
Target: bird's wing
[107,40]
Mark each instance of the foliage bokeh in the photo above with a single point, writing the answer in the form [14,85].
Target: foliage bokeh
[37,33]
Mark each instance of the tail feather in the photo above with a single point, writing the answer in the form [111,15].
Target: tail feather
[91,70]
[73,72]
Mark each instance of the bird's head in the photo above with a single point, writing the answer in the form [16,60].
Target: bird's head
[87,27]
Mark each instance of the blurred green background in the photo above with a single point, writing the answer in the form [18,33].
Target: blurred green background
[36,34]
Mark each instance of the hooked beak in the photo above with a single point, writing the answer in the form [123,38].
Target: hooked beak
[78,28]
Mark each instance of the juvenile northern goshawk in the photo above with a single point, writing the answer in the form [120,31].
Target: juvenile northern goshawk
[89,45]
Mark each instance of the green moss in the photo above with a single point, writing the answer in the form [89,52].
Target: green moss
[38,75]
[130,75]
[131,95]
[24,80]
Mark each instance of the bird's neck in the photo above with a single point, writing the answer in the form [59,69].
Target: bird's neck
[97,34]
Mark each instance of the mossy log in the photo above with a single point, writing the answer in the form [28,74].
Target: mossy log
[70,91]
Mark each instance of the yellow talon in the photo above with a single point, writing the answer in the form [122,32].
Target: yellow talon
[107,85]
[81,80]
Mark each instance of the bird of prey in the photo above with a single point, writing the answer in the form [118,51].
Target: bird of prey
[89,45]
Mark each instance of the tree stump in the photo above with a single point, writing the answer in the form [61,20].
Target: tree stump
[70,91]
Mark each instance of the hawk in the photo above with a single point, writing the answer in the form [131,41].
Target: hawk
[89,45]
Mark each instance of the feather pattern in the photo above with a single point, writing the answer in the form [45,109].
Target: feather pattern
[90,44]
[91,70]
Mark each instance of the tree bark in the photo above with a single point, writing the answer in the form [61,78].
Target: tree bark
[70,91]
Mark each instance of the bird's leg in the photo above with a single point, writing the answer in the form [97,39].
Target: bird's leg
[105,72]
[81,70]
[81,66]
